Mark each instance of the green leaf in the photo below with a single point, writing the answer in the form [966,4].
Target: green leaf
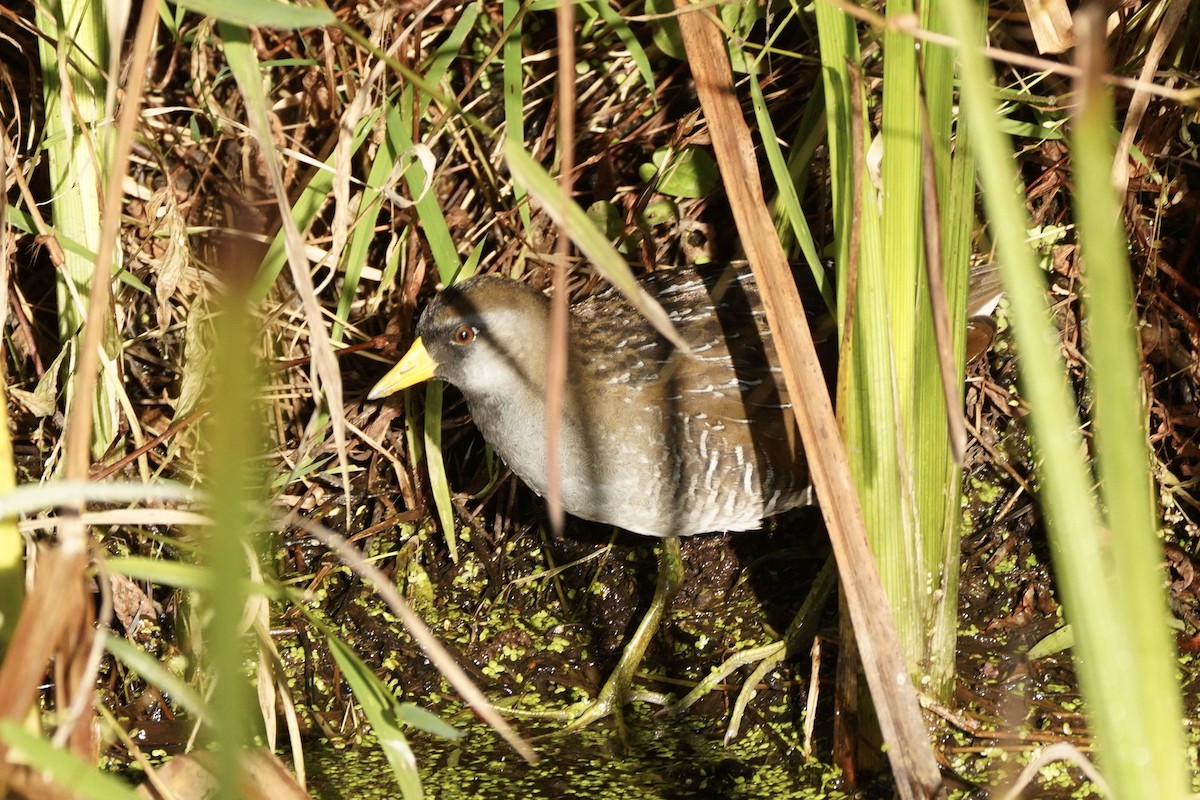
[588,238]
[425,720]
[691,172]
[63,767]
[261,13]
[607,217]
[658,212]
[386,716]
[439,484]
[666,29]
[153,671]
[1052,643]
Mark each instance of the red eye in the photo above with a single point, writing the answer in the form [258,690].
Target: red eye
[463,334]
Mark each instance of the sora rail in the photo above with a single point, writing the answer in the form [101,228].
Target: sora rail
[652,440]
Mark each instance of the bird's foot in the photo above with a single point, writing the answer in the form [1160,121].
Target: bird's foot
[617,690]
[614,695]
[767,658]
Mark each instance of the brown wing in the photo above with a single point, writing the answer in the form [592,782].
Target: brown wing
[733,368]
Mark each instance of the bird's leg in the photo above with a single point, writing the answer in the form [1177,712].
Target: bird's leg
[616,689]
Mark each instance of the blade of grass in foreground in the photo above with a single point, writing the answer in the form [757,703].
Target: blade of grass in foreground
[235,490]
[1144,752]
[246,69]
[385,715]
[588,238]
[1140,744]
[889,316]
[514,98]
[63,767]
[938,435]
[789,213]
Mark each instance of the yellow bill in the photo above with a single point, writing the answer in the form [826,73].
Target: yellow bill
[416,367]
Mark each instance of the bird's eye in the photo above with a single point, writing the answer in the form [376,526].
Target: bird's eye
[463,335]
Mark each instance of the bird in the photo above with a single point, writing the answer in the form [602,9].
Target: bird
[653,439]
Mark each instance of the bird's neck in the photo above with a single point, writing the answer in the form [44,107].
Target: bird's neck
[515,424]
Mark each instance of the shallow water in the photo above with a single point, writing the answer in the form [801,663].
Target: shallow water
[670,759]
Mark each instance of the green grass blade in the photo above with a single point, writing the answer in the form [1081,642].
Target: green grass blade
[233,437]
[31,497]
[900,180]
[892,398]
[77,146]
[788,199]
[262,13]
[380,707]
[63,768]
[401,139]
[839,47]
[1131,737]
[312,197]
[354,256]
[937,478]
[152,671]
[1144,749]
[160,571]
[445,256]
[439,484]
[867,391]
[587,237]
[514,98]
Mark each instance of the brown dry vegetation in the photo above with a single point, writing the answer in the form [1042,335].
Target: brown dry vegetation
[198,213]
